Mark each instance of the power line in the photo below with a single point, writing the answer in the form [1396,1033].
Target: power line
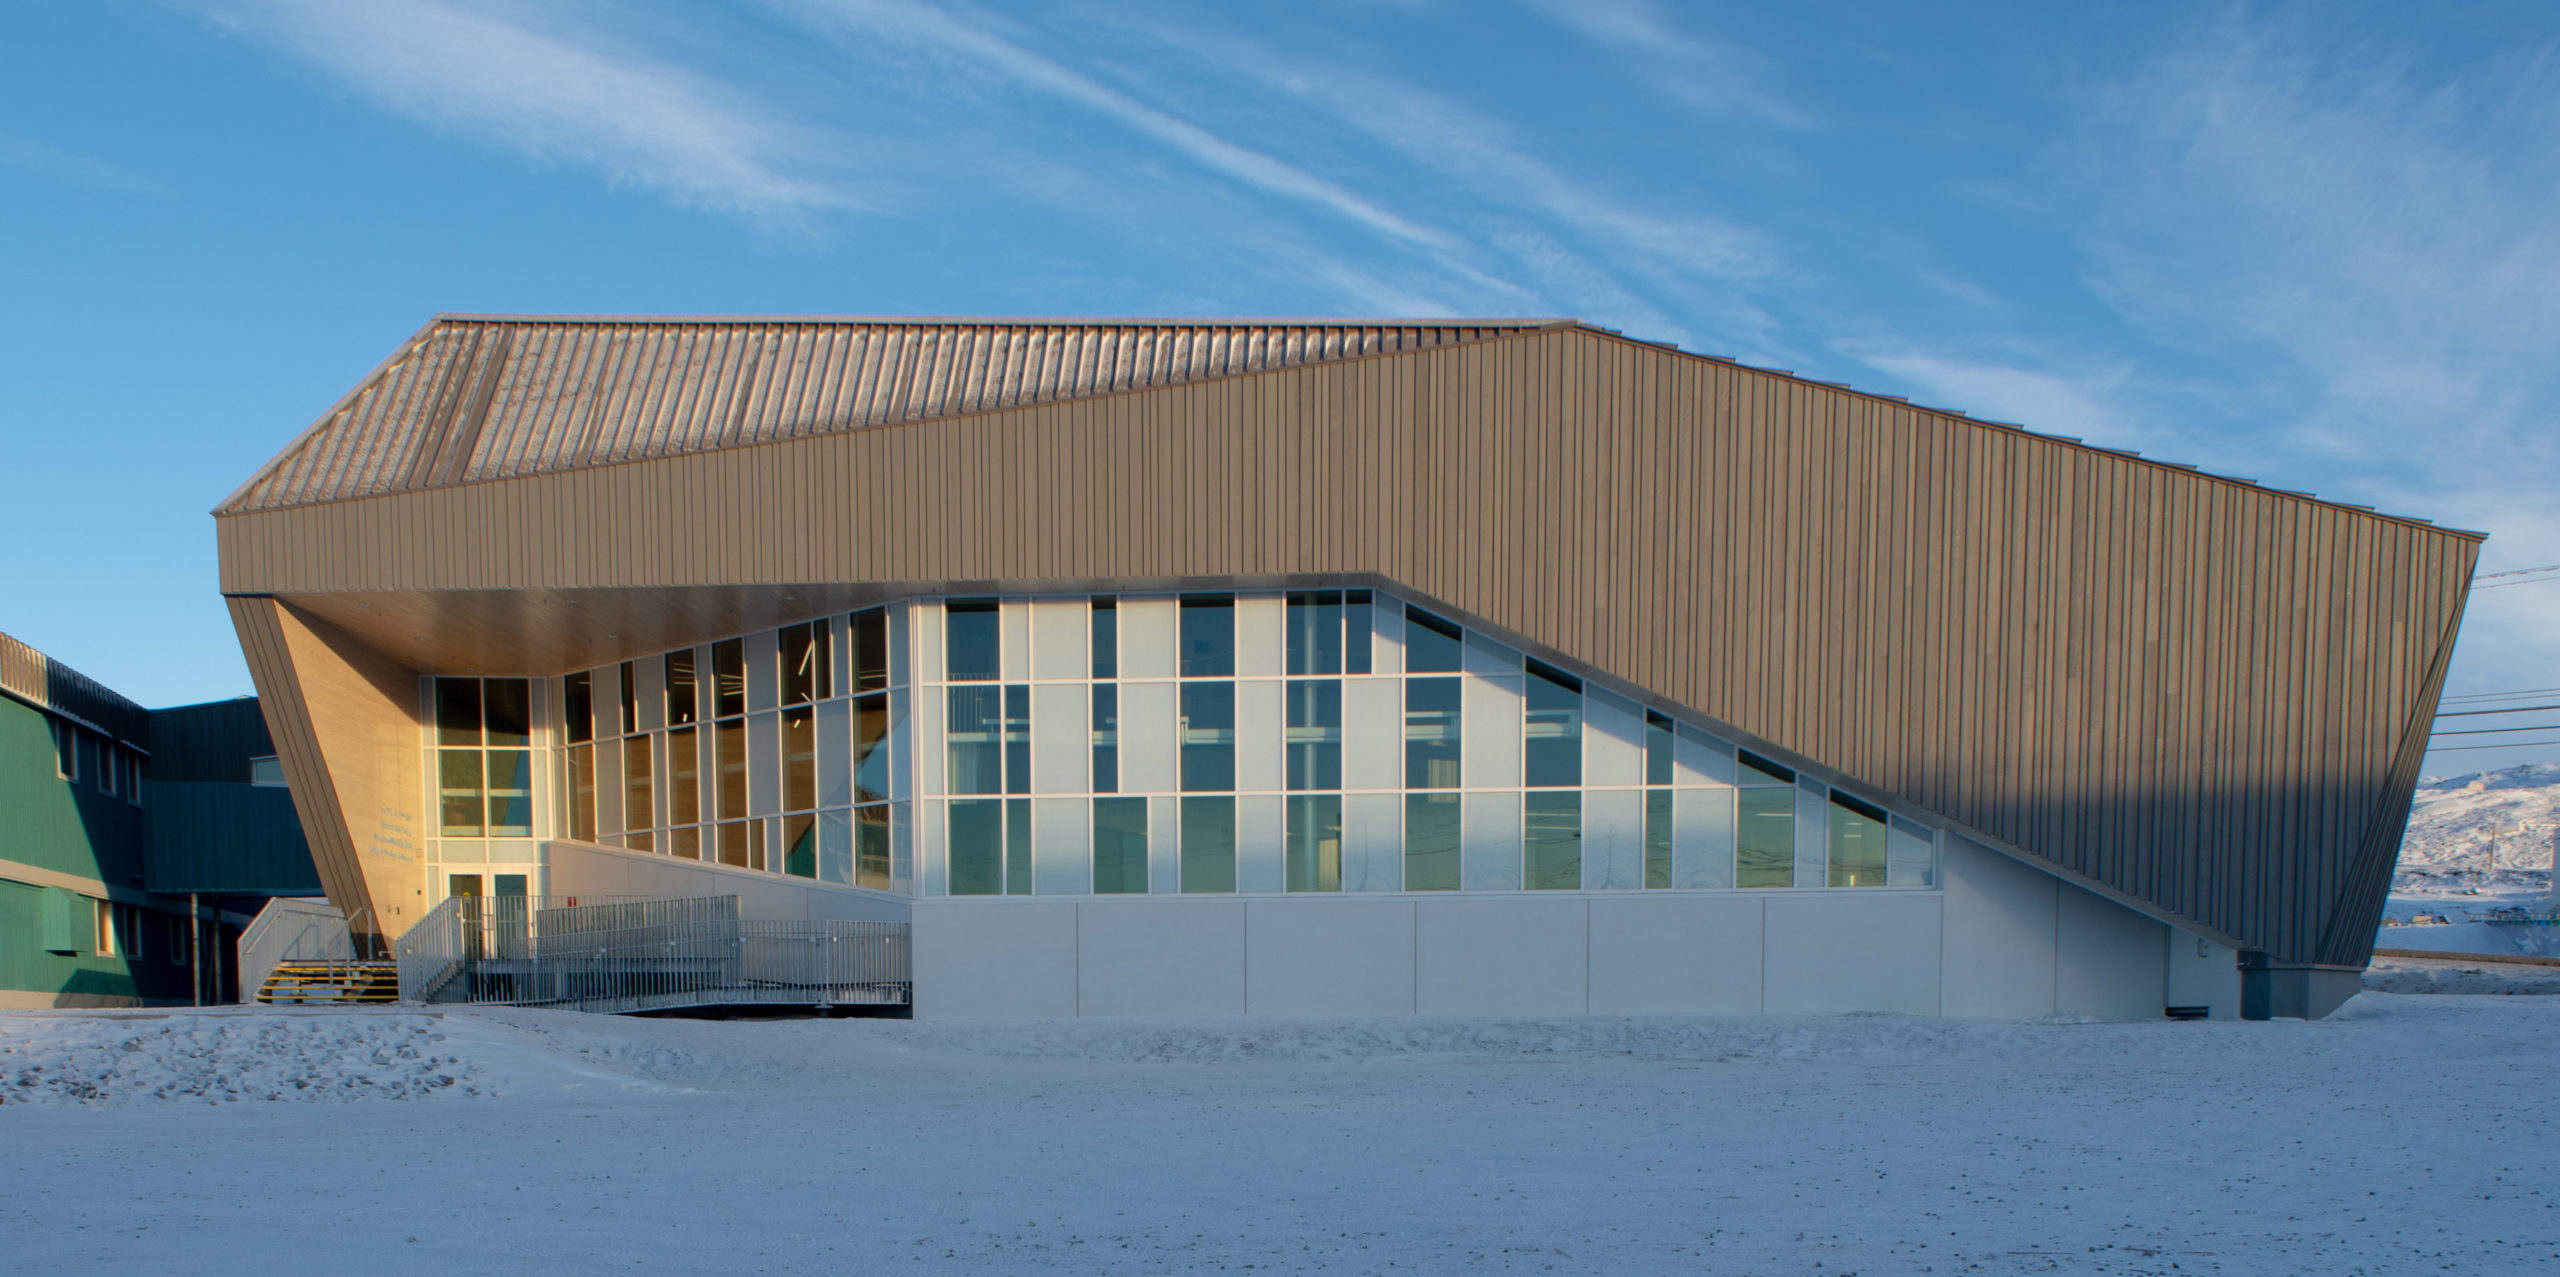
[2473,713]
[2492,731]
[2498,696]
[2513,744]
[2492,576]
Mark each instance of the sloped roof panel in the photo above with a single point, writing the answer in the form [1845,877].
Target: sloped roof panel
[479,398]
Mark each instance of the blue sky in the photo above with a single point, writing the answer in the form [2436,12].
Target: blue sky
[2311,245]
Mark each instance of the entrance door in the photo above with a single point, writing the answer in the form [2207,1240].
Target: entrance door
[510,916]
[467,888]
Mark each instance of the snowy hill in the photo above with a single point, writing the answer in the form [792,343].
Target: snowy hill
[2487,832]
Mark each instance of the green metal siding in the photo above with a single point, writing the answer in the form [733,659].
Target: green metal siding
[224,839]
[209,742]
[63,825]
[73,979]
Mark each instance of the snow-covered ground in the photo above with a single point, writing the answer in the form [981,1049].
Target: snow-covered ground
[2406,1132]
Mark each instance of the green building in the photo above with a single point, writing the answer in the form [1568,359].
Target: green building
[134,844]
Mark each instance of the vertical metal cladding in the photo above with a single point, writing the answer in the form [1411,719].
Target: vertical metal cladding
[2201,695]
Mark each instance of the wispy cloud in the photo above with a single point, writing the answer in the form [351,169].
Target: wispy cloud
[1705,73]
[29,155]
[555,94]
[924,25]
[2041,400]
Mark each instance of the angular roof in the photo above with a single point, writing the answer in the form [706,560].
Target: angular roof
[479,397]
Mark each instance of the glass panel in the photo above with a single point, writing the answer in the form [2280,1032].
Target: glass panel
[871,866]
[684,777]
[974,733]
[972,642]
[799,760]
[630,700]
[1315,633]
[1106,638]
[638,840]
[1760,771]
[1059,630]
[578,706]
[1431,842]
[457,711]
[1106,739]
[728,678]
[1017,847]
[1431,733]
[458,792]
[977,847]
[1432,645]
[1262,835]
[799,856]
[1017,739]
[1356,625]
[1657,838]
[1208,844]
[683,695]
[1857,843]
[1702,852]
[1315,734]
[1064,865]
[582,793]
[1552,833]
[801,650]
[1910,854]
[1150,753]
[1119,846]
[1613,839]
[637,812]
[1372,842]
[835,847]
[510,793]
[1765,842]
[685,843]
[871,748]
[1061,737]
[730,779]
[1553,735]
[870,650]
[509,718]
[1150,641]
[1315,842]
[1208,637]
[1208,734]
[731,841]
[1489,859]
[1261,733]
[1658,746]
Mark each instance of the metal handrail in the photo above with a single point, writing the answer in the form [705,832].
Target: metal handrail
[290,930]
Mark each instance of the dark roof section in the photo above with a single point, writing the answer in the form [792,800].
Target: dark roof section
[48,684]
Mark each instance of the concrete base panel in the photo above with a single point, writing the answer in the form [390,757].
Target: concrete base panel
[1160,957]
[2294,992]
[1837,953]
[1329,957]
[1518,955]
[1676,955]
[2109,962]
[994,959]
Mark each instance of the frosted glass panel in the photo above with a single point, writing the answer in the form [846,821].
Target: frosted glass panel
[1060,634]
[1372,733]
[1164,846]
[1484,656]
[835,753]
[902,847]
[931,713]
[1613,840]
[1259,630]
[648,674]
[901,746]
[1612,740]
[761,655]
[1062,833]
[1373,842]
[1491,858]
[928,842]
[1702,850]
[1147,637]
[1013,651]
[1699,760]
[1061,739]
[1261,839]
[1910,855]
[1813,834]
[902,621]
[1149,761]
[608,788]
[1386,651]
[928,651]
[764,765]
[1258,759]
[1491,713]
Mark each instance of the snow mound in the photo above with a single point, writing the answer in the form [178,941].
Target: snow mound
[219,1059]
[1248,1041]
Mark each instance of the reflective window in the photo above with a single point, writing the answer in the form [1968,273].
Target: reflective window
[582,793]
[1106,739]
[1357,631]
[870,650]
[1765,837]
[1756,770]
[1657,748]
[1432,645]
[1553,736]
[799,759]
[457,711]
[972,641]
[806,663]
[975,732]
[1208,844]
[459,792]
[977,846]
[728,678]
[1208,735]
[630,702]
[684,777]
[577,707]
[1431,842]
[1315,633]
[638,813]
[1106,638]
[1314,734]
[1017,739]
[1017,847]
[1657,838]
[1119,846]
[1552,828]
[1857,842]
[1208,636]
[1314,861]
[871,748]
[683,695]
[729,778]
[508,719]
[1431,733]
[798,855]
[871,846]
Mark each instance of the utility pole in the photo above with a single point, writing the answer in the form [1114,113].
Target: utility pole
[195,946]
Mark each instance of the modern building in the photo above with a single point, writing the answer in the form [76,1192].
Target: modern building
[134,844]
[1358,667]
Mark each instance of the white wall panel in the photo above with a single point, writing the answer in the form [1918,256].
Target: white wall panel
[1258,735]
[1061,638]
[1490,711]
[1612,740]
[2000,917]
[1000,960]
[763,656]
[1261,842]
[649,681]
[2203,974]
[1161,957]
[1613,839]
[1164,846]
[932,752]
[1372,733]
[1147,637]
[1489,855]
[1521,956]
[1150,754]
[1314,956]
[1676,955]
[1261,631]
[764,763]
[1373,842]
[1833,952]
[1061,738]
[2109,961]
[1013,640]
[1386,636]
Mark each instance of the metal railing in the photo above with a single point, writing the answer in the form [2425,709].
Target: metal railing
[599,953]
[291,930]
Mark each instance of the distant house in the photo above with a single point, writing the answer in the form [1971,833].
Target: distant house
[134,844]
[1337,667]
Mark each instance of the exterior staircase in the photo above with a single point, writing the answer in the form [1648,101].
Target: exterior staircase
[340,983]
